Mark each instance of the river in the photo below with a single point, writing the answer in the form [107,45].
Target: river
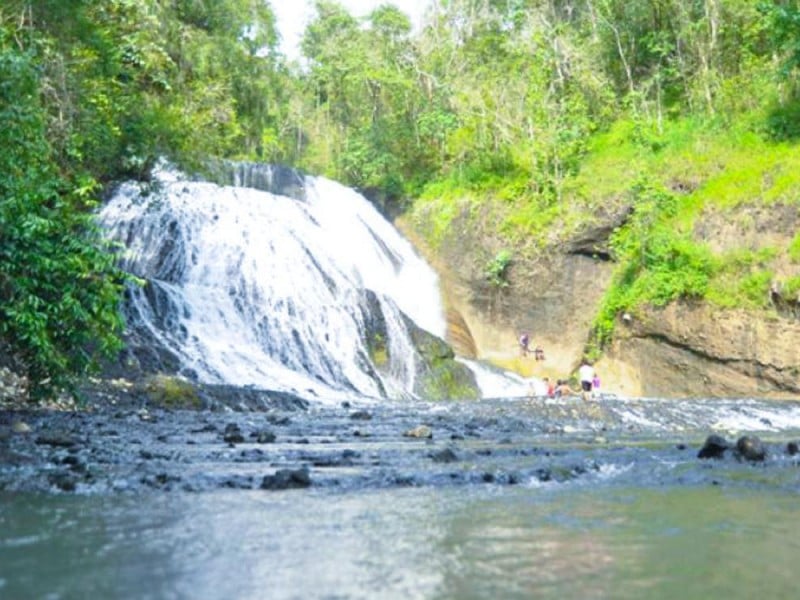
[510,498]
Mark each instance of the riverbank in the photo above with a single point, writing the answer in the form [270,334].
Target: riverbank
[122,440]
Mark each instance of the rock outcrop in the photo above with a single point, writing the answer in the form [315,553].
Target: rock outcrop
[683,350]
[696,350]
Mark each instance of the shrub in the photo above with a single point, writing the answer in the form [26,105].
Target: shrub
[656,263]
[59,287]
[497,269]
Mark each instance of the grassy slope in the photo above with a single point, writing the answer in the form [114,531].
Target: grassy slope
[674,177]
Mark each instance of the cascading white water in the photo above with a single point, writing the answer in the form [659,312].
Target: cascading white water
[251,288]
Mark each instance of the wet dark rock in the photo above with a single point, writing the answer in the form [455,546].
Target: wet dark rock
[751,448]
[238,483]
[62,440]
[264,436]
[232,434]
[75,464]
[361,415]
[278,419]
[160,480]
[792,448]
[447,455]
[403,480]
[285,479]
[251,455]
[66,482]
[275,179]
[208,428]
[715,447]
[543,474]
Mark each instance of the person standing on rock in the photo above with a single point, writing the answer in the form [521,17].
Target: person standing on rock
[524,340]
[586,375]
[596,385]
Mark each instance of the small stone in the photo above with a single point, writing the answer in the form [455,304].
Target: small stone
[233,437]
[285,479]
[421,431]
[265,437]
[63,481]
[21,427]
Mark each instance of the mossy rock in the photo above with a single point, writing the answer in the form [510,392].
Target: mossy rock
[447,380]
[440,376]
[378,351]
[170,391]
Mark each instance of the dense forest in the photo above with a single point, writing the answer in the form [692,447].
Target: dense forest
[543,110]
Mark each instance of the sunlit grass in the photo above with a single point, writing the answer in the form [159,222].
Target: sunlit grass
[672,176]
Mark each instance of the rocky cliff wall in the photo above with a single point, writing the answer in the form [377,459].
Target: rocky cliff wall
[683,350]
[695,350]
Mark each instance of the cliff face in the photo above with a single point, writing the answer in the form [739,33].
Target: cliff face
[683,350]
[696,350]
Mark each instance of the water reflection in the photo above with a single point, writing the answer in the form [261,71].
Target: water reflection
[482,542]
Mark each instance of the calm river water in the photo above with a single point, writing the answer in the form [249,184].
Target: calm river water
[647,520]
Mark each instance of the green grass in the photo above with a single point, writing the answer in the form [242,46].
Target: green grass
[794,249]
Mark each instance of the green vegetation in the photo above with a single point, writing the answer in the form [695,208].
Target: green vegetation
[656,263]
[58,284]
[532,117]
[794,249]
[378,350]
[446,381]
[497,269]
[95,91]
[172,392]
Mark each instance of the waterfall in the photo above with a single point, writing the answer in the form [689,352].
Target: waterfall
[250,287]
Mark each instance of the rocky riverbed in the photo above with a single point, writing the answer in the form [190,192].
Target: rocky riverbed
[127,438]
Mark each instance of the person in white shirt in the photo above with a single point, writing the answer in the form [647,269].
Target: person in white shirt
[586,375]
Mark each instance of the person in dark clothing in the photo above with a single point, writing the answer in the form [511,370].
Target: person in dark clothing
[524,340]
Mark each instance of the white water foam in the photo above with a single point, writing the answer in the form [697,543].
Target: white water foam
[495,383]
[257,289]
